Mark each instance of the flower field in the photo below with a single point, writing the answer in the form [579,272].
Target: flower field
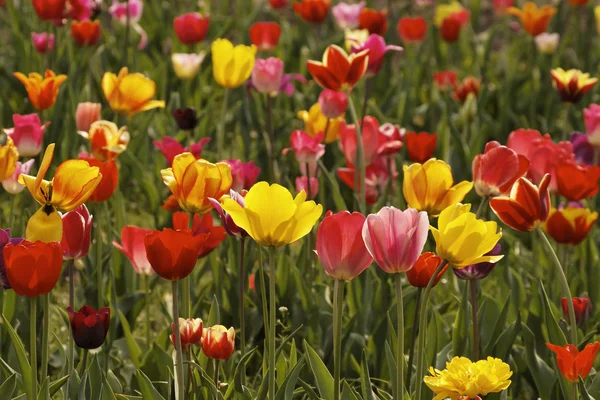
[299,199]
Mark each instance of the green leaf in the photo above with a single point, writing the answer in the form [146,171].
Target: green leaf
[391,362]
[322,376]
[542,374]
[584,393]
[347,392]
[8,387]
[134,349]
[241,366]
[365,378]
[95,377]
[460,333]
[44,393]
[555,334]
[334,188]
[147,389]
[286,390]
[498,328]
[106,392]
[24,366]
[83,387]
[57,384]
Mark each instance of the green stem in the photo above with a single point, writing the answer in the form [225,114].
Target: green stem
[221,125]
[271,136]
[482,205]
[564,285]
[33,344]
[83,364]
[359,173]
[338,308]
[146,279]
[263,295]
[272,317]
[216,366]
[45,335]
[422,329]
[179,354]
[126,41]
[413,340]
[99,285]
[400,341]
[242,293]
[474,312]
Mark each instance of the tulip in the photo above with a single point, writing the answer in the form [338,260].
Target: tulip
[132,246]
[171,148]
[130,13]
[591,117]
[315,121]
[446,80]
[535,20]
[572,363]
[469,85]
[355,38]
[526,208]
[582,306]
[86,114]
[347,15]
[81,10]
[218,342]
[49,10]
[232,66]
[43,42]
[451,27]
[73,183]
[121,96]
[412,30]
[286,221]
[462,239]
[106,139]
[450,19]
[265,35]
[333,104]
[429,187]
[373,20]
[582,148]
[186,66]
[109,181]
[572,84]
[8,159]
[4,240]
[370,140]
[267,75]
[11,184]
[312,189]
[230,226]
[77,233]
[422,271]
[42,91]
[497,169]
[570,225]
[89,326]
[313,11]
[173,254]
[307,149]
[186,118]
[390,139]
[377,49]
[377,177]
[577,182]
[243,175]
[339,71]
[547,43]
[443,11]
[86,33]
[190,330]
[191,28]
[27,134]
[420,146]
[276,4]
[200,226]
[32,268]
[479,270]
[501,6]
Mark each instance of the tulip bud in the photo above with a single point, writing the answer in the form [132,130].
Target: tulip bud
[218,342]
[422,271]
[547,43]
[191,28]
[190,331]
[582,307]
[186,66]
[333,104]
[89,326]
[77,233]
[302,184]
[186,118]
[43,42]
[86,114]
[243,174]
[478,271]
[267,75]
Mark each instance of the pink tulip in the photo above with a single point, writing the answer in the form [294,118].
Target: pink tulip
[340,245]
[132,246]
[244,174]
[86,114]
[130,10]
[28,134]
[389,139]
[11,184]
[370,140]
[347,15]
[377,177]
[267,75]
[77,233]
[306,148]
[591,116]
[302,184]
[378,48]
[230,226]
[171,147]
[43,42]
[395,238]
[333,104]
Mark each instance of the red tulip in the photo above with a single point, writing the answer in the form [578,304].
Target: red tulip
[89,326]
[374,21]
[420,146]
[412,30]
[278,3]
[497,169]
[467,86]
[445,80]
[77,233]
[49,10]
[170,148]
[191,28]
[339,71]
[132,246]
[201,226]
[218,342]
[422,271]
[572,363]
[450,29]
[265,35]
[312,10]
[577,181]
[582,307]
[110,178]
[86,33]
[389,139]
[377,177]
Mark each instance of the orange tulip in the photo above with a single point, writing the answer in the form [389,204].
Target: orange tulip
[527,207]
[42,91]
[420,274]
[218,342]
[577,182]
[128,93]
[86,33]
[108,183]
[312,10]
[570,225]
[339,71]
[374,21]
[535,20]
[33,268]
[572,363]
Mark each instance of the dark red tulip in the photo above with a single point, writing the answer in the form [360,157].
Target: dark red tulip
[89,326]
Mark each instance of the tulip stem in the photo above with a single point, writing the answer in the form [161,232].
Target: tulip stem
[271,136]
[564,285]
[338,308]
[45,334]
[272,316]
[126,41]
[474,312]
[146,279]
[415,331]
[242,317]
[186,307]
[216,367]
[99,256]
[83,364]
[400,341]
[482,205]
[33,344]
[221,125]
[359,172]
[179,385]
[422,329]
[71,271]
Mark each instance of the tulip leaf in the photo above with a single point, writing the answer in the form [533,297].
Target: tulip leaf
[214,318]
[365,378]
[57,384]
[594,389]
[392,367]
[8,387]
[286,389]
[241,366]
[460,330]
[147,389]
[95,376]
[498,328]
[24,366]
[106,392]
[44,393]
[555,334]
[585,395]
[83,393]
[322,375]
[134,349]
[340,204]
[542,374]
[347,392]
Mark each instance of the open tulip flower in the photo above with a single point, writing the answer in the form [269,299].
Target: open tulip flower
[573,363]
[89,326]
[577,182]
[570,225]
[497,169]
[27,134]
[377,48]
[572,84]
[232,65]
[171,148]
[132,246]
[73,183]
[535,20]
[130,93]
[526,208]
[200,226]
[106,139]
[339,71]
[42,91]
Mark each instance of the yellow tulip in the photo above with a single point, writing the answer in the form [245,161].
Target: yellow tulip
[193,182]
[443,11]
[9,155]
[271,216]
[315,122]
[232,66]
[73,183]
[107,140]
[42,90]
[428,187]
[128,93]
[462,239]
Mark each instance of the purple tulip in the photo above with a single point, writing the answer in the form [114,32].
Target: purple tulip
[478,271]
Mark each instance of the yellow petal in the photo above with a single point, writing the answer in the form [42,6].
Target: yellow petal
[74,182]
[45,225]
[222,54]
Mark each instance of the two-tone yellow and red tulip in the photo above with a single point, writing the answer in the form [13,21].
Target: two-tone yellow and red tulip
[106,139]
[570,225]
[572,84]
[128,93]
[339,71]
[42,91]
